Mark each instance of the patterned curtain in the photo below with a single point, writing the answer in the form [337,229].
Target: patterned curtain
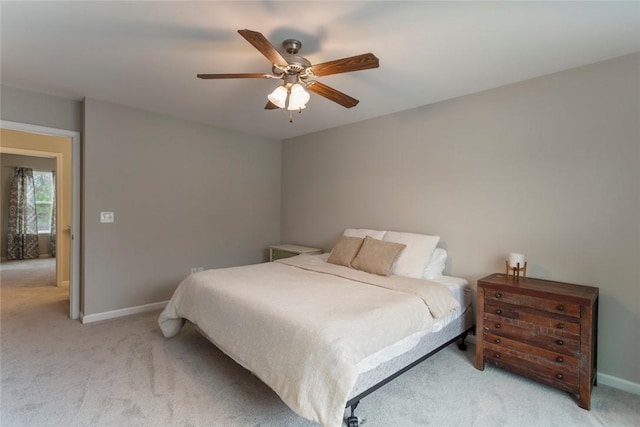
[22,230]
[53,237]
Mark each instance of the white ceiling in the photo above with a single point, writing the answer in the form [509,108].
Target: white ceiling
[147,54]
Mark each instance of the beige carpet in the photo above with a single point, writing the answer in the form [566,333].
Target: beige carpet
[30,272]
[57,372]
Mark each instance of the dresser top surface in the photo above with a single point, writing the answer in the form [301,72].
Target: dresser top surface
[532,285]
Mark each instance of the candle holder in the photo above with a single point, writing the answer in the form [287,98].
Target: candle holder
[515,270]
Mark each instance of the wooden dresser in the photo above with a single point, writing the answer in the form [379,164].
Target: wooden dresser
[544,330]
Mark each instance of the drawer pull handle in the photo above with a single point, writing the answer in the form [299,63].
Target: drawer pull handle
[560,326]
[559,359]
[560,342]
[498,326]
[498,311]
[560,307]
[559,376]
[486,329]
[497,355]
[497,341]
[498,295]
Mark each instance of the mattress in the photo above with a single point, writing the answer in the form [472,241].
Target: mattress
[462,293]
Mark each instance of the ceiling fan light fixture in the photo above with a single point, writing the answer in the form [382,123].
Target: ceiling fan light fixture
[279,96]
[298,97]
[297,73]
[293,107]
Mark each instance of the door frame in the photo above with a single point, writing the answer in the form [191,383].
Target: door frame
[74,270]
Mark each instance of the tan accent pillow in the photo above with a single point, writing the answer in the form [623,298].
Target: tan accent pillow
[345,250]
[377,256]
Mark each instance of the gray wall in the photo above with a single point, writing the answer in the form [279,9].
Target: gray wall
[549,167]
[7,163]
[23,106]
[184,195]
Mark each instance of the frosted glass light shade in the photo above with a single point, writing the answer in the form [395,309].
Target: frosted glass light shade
[278,97]
[298,97]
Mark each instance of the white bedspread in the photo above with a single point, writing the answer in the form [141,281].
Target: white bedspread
[301,325]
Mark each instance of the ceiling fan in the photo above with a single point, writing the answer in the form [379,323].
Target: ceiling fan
[298,74]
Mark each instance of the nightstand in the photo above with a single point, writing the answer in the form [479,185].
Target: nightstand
[286,251]
[543,330]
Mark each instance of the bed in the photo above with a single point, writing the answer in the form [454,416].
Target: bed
[321,334]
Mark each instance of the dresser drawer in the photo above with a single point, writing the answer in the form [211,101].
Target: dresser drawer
[524,316]
[562,308]
[532,353]
[511,360]
[550,339]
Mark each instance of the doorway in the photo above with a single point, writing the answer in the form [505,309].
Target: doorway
[32,142]
[31,262]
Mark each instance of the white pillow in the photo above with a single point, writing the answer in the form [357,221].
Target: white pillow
[363,232]
[414,258]
[436,264]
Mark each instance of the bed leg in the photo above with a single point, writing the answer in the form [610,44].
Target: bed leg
[463,346]
[352,421]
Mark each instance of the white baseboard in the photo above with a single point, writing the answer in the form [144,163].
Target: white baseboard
[619,383]
[114,314]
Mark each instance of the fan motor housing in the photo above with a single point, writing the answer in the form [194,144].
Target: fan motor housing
[296,62]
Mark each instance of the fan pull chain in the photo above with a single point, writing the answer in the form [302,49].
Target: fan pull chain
[291,115]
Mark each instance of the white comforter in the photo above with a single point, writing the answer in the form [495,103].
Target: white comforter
[301,324]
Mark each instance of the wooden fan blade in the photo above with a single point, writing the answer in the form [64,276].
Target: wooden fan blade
[235,76]
[271,106]
[262,44]
[345,65]
[332,94]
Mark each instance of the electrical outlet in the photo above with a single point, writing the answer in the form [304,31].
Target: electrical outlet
[196,269]
[106,217]
[200,268]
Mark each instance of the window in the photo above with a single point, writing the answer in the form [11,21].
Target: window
[43,182]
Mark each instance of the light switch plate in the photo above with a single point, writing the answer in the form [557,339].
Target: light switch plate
[106,217]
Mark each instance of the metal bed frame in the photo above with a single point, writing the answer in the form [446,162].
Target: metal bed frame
[352,403]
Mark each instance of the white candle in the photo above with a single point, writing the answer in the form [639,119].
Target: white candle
[515,258]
